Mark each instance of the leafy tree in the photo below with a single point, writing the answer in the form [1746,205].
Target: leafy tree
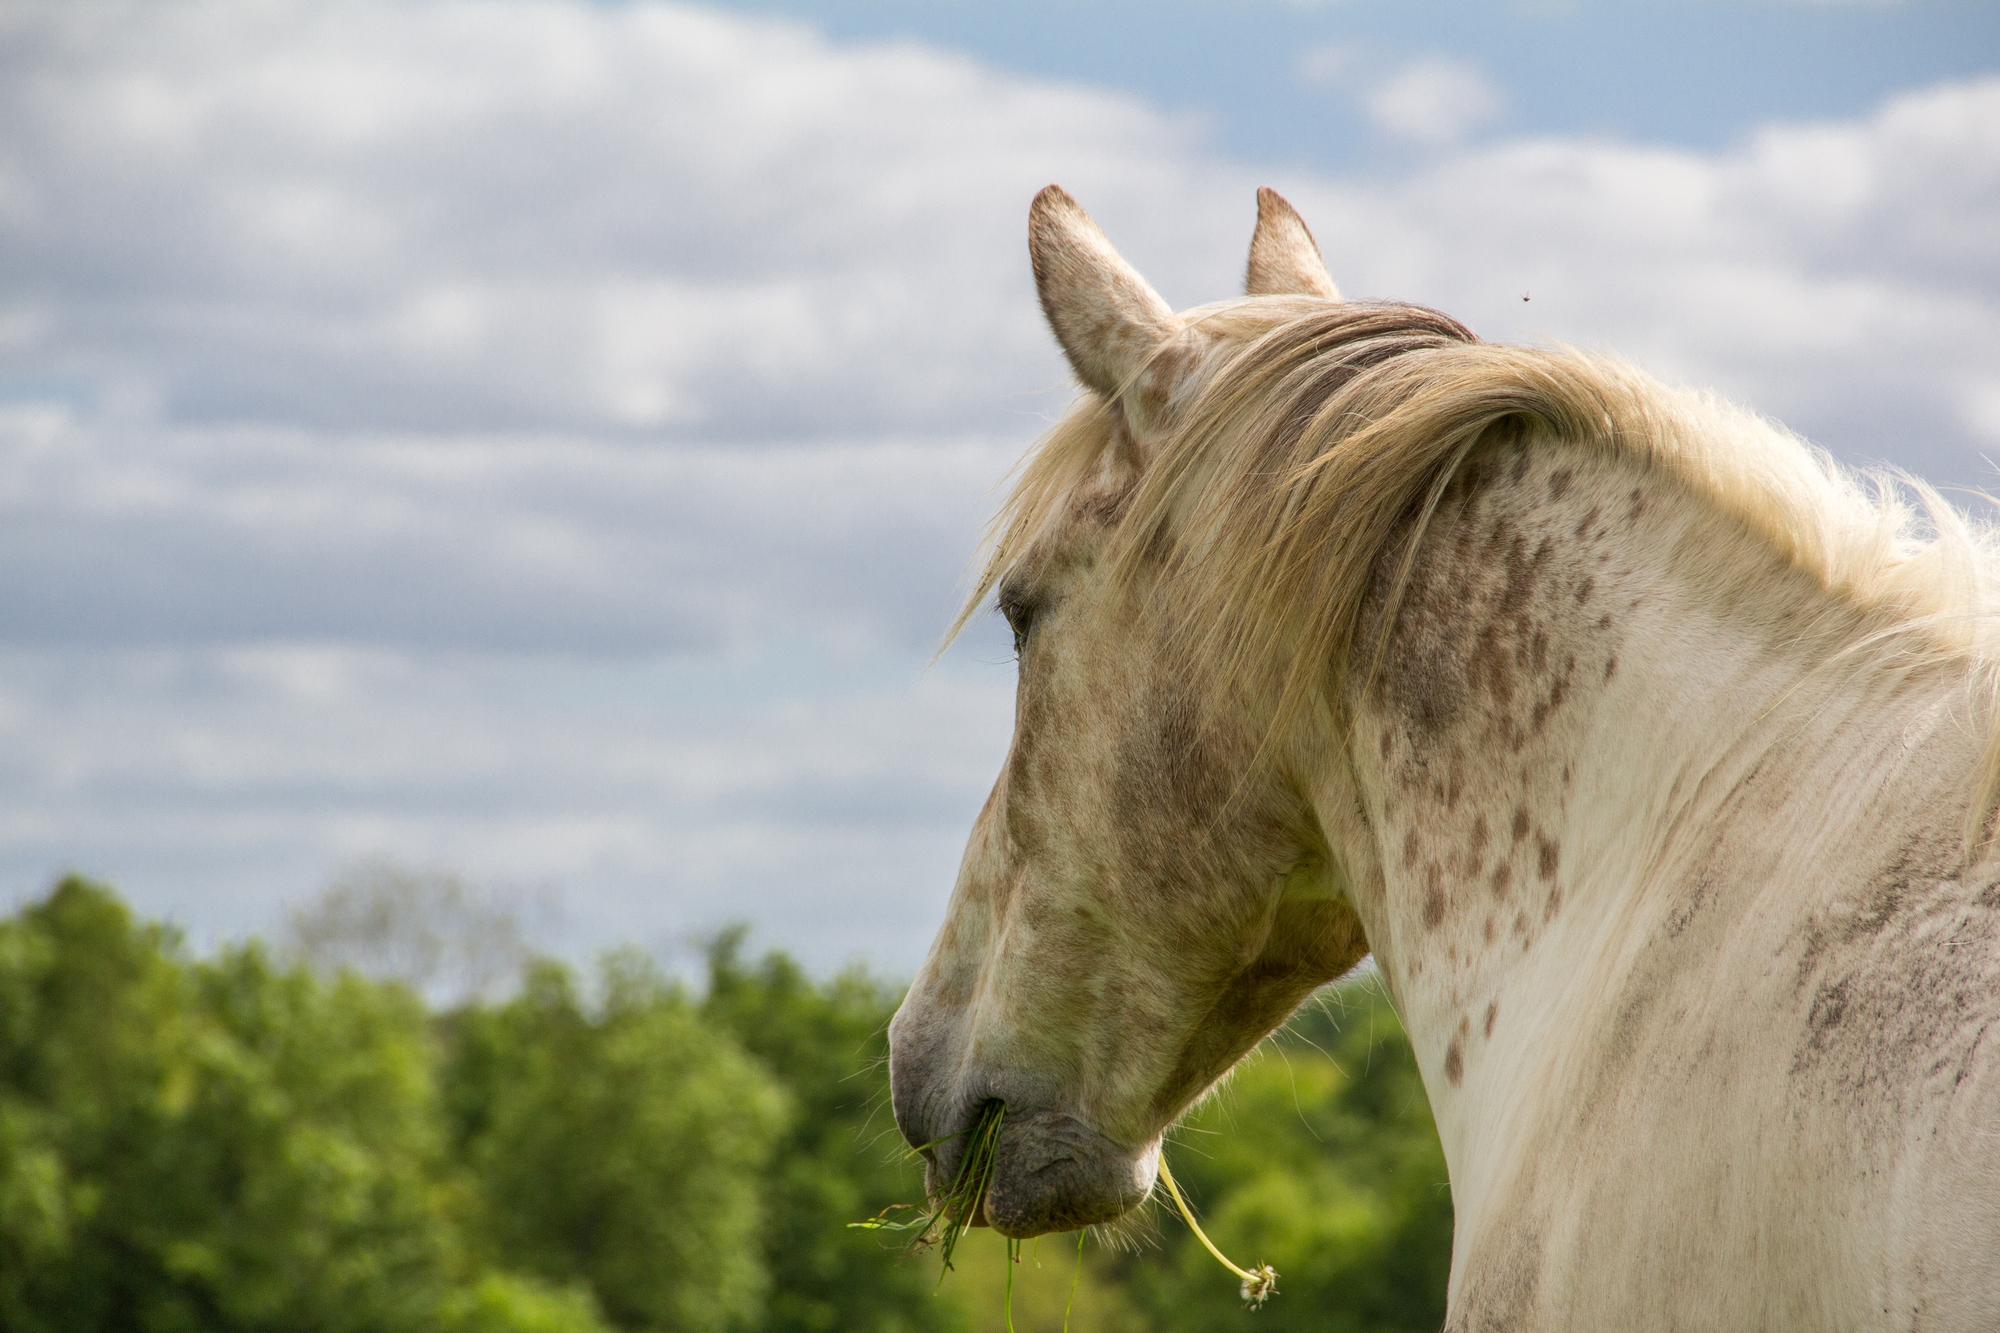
[510,1303]
[91,1065]
[221,1146]
[840,1161]
[621,1144]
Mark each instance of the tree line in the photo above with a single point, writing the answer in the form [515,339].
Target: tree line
[246,1142]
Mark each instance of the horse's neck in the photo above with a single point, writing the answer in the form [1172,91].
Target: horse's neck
[1591,673]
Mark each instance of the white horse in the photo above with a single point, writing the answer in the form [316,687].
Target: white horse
[1650,754]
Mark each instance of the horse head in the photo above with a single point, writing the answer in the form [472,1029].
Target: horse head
[1147,892]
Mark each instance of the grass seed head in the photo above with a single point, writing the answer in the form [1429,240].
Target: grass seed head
[1259,1286]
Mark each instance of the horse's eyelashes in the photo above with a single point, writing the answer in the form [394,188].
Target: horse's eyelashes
[1020,615]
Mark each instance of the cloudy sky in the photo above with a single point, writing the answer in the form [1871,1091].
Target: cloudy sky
[544,439]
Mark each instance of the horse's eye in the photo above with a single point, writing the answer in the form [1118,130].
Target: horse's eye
[1020,615]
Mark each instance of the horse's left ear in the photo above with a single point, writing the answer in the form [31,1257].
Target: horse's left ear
[1284,261]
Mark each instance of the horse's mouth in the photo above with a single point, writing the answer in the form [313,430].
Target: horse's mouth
[1053,1172]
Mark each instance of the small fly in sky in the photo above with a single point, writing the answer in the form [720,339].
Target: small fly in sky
[1524,296]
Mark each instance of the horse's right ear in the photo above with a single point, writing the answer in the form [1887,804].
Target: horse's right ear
[1104,314]
[1284,261]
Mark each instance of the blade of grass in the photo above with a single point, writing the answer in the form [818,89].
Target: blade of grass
[1074,1278]
[1013,1258]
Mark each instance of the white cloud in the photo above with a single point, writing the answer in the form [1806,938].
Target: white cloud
[1434,101]
[824,805]
[544,438]
[466,215]
[1331,64]
[116,534]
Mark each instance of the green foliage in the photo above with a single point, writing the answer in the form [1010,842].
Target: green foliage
[841,1159]
[510,1303]
[620,1145]
[208,1146]
[233,1145]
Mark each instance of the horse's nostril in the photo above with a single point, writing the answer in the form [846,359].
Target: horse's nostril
[926,1098]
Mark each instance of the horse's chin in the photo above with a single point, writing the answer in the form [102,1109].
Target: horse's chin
[1053,1172]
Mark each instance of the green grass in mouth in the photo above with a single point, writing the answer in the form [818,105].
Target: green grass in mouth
[945,1217]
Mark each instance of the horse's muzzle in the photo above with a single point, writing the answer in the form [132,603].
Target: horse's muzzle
[1056,1173]
[1053,1170]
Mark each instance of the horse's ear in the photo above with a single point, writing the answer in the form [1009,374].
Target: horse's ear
[1106,317]
[1283,259]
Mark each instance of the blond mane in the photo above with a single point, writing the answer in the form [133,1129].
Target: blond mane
[1322,435]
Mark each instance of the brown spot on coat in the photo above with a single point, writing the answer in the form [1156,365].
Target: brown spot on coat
[1433,896]
[1523,572]
[1489,665]
[1520,822]
[1829,1006]
[1492,1012]
[1454,1063]
[1678,919]
[1548,853]
[1503,879]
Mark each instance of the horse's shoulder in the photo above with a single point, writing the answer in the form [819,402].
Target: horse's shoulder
[1896,976]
